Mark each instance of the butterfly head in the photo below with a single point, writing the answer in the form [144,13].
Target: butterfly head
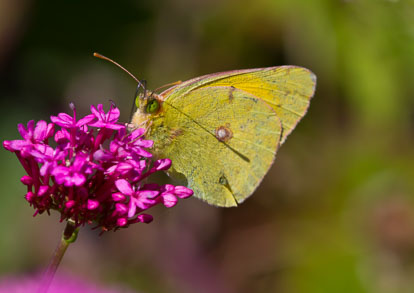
[148,105]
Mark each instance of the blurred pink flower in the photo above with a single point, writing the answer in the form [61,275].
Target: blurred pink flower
[60,284]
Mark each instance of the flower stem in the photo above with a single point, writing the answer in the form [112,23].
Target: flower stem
[69,235]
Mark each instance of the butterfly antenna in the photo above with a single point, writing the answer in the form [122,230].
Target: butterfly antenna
[117,64]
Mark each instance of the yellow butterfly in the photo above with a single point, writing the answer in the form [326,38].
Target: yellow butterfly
[222,130]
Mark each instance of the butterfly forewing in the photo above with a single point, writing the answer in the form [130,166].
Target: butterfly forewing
[287,89]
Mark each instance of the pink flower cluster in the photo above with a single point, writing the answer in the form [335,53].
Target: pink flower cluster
[94,171]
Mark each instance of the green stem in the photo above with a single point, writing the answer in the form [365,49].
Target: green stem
[69,235]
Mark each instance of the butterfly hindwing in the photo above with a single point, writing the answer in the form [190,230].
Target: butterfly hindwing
[221,139]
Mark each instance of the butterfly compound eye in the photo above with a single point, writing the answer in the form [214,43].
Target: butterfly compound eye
[153,106]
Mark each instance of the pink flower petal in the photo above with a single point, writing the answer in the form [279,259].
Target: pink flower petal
[69,204]
[40,130]
[163,164]
[92,204]
[95,111]
[118,196]
[26,133]
[124,187]
[182,191]
[131,208]
[121,209]
[50,130]
[85,120]
[168,187]
[63,120]
[29,196]
[145,218]
[121,222]
[169,200]
[42,190]
[113,114]
[26,180]
[15,145]
[137,133]
[78,179]
[143,153]
[148,193]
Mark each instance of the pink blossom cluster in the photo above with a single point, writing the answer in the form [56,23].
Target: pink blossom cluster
[93,171]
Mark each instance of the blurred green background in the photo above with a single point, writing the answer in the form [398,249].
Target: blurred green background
[336,211]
